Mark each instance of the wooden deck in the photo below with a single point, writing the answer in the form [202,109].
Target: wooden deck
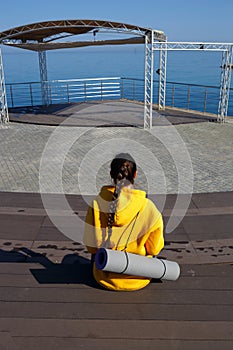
[103,113]
[48,299]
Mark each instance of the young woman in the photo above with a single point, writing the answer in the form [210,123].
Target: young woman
[122,218]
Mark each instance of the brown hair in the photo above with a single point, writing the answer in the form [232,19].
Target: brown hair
[123,167]
[123,170]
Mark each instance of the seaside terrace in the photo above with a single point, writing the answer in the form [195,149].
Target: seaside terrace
[56,147]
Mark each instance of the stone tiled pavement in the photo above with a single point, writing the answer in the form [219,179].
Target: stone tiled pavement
[192,157]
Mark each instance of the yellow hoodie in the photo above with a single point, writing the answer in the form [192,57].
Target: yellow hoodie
[137,228]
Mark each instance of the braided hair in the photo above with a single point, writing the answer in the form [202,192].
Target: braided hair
[123,169]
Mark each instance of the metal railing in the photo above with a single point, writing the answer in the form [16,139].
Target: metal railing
[63,91]
[201,98]
[195,97]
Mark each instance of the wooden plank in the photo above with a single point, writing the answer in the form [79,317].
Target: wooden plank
[47,343]
[117,311]
[207,270]
[62,248]
[49,276]
[66,250]
[17,269]
[33,200]
[202,224]
[170,200]
[119,329]
[7,342]
[146,296]
[20,227]
[198,200]
[215,199]
[50,233]
[176,236]
[186,270]
[209,252]
[74,278]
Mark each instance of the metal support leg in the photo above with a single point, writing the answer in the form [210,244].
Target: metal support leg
[148,83]
[162,76]
[43,77]
[225,84]
[4,116]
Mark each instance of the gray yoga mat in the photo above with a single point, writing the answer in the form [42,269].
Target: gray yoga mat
[136,265]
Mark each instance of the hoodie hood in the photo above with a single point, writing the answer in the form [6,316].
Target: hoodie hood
[129,203]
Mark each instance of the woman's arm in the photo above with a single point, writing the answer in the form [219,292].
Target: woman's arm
[155,241]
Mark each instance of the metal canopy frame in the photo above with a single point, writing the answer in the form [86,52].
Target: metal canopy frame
[45,36]
[45,32]
[226,67]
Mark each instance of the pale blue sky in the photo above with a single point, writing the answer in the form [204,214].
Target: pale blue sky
[181,20]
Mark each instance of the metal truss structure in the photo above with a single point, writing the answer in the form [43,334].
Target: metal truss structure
[148,81]
[162,77]
[43,33]
[4,117]
[227,52]
[43,77]
[225,84]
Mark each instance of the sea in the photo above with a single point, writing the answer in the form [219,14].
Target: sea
[184,67]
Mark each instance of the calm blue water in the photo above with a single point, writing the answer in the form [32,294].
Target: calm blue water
[128,61]
[187,67]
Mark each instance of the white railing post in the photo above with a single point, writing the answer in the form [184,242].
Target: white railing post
[4,116]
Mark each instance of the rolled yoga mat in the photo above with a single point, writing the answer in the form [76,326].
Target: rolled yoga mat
[136,265]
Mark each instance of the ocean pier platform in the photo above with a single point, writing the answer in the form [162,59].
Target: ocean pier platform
[48,298]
